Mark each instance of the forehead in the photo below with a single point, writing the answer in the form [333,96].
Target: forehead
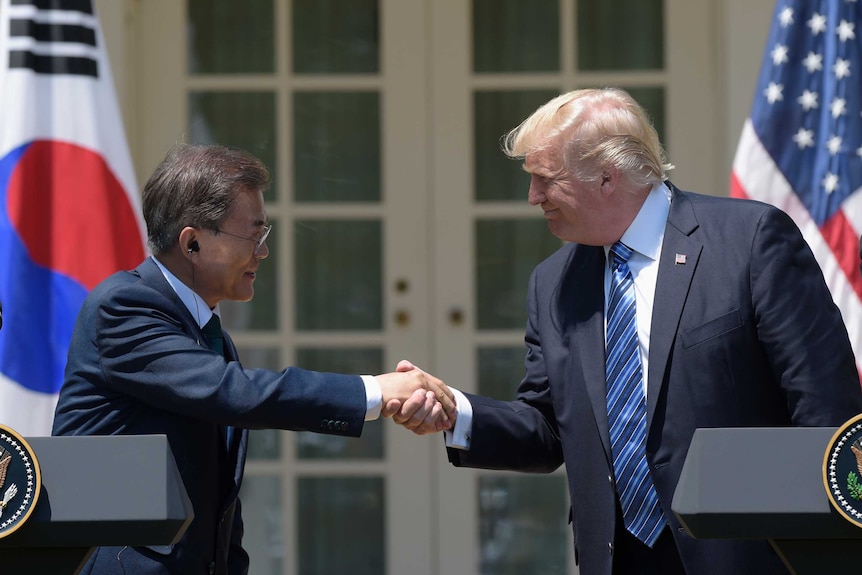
[247,207]
[541,162]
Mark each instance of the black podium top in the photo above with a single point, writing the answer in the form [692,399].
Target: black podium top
[107,490]
[758,483]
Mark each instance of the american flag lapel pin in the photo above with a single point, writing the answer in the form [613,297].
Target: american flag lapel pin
[679,260]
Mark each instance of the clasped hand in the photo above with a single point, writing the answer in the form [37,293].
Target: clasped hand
[417,400]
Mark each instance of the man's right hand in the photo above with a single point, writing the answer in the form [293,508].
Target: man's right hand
[417,399]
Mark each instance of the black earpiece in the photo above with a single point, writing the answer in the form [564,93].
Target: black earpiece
[194,247]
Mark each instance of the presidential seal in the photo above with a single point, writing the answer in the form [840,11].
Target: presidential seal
[842,470]
[20,481]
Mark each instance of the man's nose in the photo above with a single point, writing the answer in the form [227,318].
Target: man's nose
[536,195]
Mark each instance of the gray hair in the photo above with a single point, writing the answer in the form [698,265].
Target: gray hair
[196,185]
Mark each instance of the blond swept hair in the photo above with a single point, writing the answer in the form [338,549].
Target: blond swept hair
[593,129]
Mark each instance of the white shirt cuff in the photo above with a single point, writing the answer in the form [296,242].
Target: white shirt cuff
[459,436]
[373,397]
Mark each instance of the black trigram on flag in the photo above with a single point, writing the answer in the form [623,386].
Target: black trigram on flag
[53,37]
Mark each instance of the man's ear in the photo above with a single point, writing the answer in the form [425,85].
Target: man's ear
[609,180]
[188,241]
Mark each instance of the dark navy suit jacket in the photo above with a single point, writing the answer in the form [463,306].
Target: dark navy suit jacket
[743,334]
[139,364]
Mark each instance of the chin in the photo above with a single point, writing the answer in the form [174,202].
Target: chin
[243,296]
[563,233]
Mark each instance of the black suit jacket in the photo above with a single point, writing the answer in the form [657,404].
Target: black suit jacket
[138,364]
[743,334]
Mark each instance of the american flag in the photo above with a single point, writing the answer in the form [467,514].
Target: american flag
[801,147]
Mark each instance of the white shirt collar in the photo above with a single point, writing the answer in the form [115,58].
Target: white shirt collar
[646,232]
[195,303]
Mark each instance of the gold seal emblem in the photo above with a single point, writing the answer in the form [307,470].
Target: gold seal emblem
[20,481]
[842,470]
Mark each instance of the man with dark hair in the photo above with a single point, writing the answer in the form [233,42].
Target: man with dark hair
[665,311]
[148,355]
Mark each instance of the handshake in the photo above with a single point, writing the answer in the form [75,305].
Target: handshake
[417,400]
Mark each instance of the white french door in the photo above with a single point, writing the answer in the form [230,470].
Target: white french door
[401,232]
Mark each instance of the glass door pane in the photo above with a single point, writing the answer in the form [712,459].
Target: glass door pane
[343,525]
[336,150]
[229,37]
[620,35]
[516,36]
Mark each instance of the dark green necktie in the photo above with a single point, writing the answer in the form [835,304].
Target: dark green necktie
[212,333]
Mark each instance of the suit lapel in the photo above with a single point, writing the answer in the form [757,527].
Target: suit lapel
[582,297]
[153,277]
[236,440]
[680,254]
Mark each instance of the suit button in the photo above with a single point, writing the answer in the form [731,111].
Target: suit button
[344,426]
[610,548]
[323,423]
[610,480]
[212,567]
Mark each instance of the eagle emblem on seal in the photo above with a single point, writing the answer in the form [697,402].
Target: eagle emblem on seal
[12,490]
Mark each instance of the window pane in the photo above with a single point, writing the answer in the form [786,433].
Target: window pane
[620,35]
[516,36]
[338,275]
[361,361]
[226,36]
[500,371]
[239,119]
[523,525]
[337,146]
[264,536]
[495,113]
[336,36]
[261,313]
[506,253]
[341,523]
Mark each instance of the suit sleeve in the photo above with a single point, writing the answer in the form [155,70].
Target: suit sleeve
[132,347]
[519,435]
[800,327]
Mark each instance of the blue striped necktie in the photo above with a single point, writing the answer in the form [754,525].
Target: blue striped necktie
[627,406]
